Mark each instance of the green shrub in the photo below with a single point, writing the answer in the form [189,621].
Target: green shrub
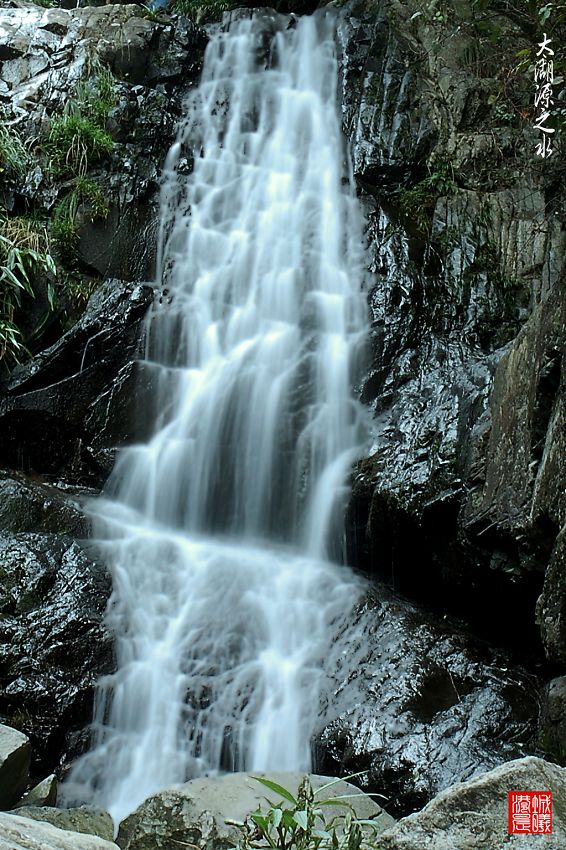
[14,158]
[301,823]
[78,289]
[417,203]
[64,230]
[19,264]
[78,136]
[76,142]
[97,95]
[87,197]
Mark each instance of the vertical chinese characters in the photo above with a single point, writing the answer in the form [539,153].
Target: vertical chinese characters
[544,79]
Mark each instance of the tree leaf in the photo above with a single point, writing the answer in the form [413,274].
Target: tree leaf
[279,789]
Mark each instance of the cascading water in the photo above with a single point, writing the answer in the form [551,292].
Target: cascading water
[219,531]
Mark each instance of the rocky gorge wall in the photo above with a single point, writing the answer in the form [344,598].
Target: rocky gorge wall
[461,501]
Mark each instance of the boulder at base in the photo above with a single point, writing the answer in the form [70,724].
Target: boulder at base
[42,794]
[196,813]
[15,756]
[84,819]
[17,833]
[473,815]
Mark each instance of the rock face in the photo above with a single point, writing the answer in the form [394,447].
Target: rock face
[15,755]
[45,54]
[473,815]
[463,497]
[461,501]
[196,812]
[28,505]
[50,413]
[17,833]
[420,705]
[42,794]
[53,645]
[553,720]
[84,819]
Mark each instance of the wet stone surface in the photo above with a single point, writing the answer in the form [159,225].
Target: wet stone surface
[423,706]
[53,645]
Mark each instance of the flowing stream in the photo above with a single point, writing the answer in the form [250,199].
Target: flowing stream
[224,531]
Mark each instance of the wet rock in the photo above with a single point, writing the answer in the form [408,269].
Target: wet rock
[42,794]
[474,814]
[18,833]
[28,505]
[197,811]
[53,644]
[84,819]
[552,735]
[122,414]
[551,608]
[419,705]
[47,401]
[463,489]
[15,754]
[44,55]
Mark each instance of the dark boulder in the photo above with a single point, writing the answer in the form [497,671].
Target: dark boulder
[53,644]
[462,498]
[15,754]
[28,505]
[419,705]
[47,402]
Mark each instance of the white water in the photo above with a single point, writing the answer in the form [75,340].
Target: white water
[219,531]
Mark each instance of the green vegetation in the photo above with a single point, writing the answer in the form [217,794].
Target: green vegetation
[203,11]
[14,158]
[78,289]
[300,822]
[78,137]
[85,197]
[76,142]
[417,203]
[24,254]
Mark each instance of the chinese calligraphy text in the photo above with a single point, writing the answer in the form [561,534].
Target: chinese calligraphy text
[529,812]
[544,79]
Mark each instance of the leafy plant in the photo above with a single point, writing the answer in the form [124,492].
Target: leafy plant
[300,822]
[19,264]
[417,204]
[14,157]
[78,136]
[85,197]
[96,95]
[75,142]
[78,290]
[92,197]
[64,229]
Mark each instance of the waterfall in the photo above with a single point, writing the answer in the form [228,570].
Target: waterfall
[224,531]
